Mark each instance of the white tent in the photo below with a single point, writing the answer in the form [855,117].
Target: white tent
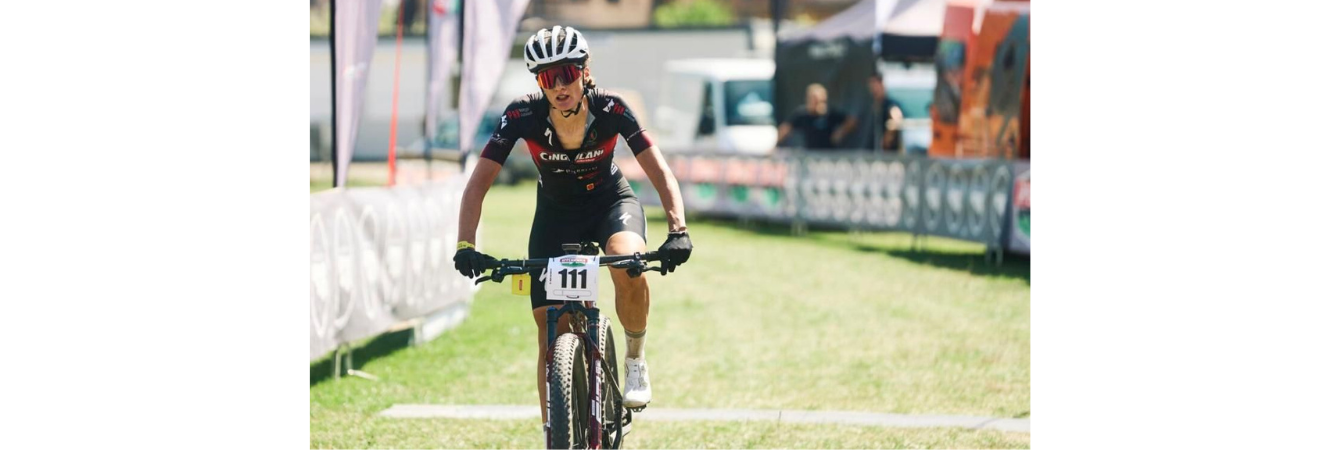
[911,27]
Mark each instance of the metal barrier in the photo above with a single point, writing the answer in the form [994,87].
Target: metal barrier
[961,199]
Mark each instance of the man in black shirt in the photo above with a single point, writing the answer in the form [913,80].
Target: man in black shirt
[889,114]
[822,128]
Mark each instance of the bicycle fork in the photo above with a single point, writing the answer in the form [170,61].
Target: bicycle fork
[551,320]
[597,377]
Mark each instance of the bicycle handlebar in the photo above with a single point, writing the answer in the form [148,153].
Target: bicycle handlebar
[635,264]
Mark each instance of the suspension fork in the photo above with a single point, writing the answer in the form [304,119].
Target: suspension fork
[551,321]
[596,375]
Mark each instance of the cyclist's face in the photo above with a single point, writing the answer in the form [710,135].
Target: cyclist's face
[565,96]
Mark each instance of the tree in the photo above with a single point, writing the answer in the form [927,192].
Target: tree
[692,13]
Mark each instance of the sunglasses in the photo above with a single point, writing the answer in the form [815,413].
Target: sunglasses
[558,76]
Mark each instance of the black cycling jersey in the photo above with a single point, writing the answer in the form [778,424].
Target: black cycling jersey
[595,221]
[569,176]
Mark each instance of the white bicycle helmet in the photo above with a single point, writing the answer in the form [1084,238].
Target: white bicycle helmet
[554,45]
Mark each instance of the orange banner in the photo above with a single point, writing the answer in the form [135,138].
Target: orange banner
[950,57]
[990,120]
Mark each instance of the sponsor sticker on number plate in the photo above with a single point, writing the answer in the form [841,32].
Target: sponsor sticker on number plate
[572,278]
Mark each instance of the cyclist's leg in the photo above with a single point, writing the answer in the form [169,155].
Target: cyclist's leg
[623,231]
[632,297]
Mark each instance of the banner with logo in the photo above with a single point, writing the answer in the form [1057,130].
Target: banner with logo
[990,120]
[380,256]
[962,199]
[950,57]
[1019,210]
[490,29]
[355,39]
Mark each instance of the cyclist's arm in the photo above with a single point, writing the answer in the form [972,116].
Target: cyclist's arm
[472,202]
[653,164]
[666,185]
[490,163]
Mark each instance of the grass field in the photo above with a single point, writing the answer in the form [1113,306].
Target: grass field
[758,319]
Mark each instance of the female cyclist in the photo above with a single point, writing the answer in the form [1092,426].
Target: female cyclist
[570,129]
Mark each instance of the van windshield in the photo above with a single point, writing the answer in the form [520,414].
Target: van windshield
[916,103]
[748,102]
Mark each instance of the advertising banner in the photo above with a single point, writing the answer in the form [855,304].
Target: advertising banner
[962,199]
[1019,210]
[950,58]
[989,122]
[380,256]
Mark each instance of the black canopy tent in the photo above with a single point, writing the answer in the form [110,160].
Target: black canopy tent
[841,53]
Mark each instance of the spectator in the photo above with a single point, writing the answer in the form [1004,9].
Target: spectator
[822,128]
[889,114]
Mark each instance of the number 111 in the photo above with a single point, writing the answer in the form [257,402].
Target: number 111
[564,275]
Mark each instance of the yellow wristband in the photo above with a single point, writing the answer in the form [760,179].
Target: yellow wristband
[464,245]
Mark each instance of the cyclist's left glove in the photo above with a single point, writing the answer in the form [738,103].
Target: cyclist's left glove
[471,263]
[675,250]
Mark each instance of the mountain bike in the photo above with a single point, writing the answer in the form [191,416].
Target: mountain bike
[585,404]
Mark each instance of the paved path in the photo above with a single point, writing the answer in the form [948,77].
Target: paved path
[507,412]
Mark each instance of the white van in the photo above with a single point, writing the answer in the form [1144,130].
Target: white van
[913,87]
[722,105]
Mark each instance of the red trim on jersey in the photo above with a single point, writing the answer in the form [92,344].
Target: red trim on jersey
[535,150]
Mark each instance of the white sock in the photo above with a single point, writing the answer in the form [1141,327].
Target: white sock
[634,341]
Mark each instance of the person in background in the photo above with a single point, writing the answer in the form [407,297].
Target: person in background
[823,128]
[889,116]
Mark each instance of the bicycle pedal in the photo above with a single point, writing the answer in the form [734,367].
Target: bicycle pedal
[639,409]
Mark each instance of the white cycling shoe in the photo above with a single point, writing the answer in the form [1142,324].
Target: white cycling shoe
[637,387]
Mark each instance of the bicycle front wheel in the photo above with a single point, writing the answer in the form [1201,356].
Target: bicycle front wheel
[568,397]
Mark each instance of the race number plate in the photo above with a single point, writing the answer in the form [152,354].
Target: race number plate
[572,278]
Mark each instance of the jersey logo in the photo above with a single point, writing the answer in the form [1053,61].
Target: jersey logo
[549,135]
[504,122]
[624,218]
[610,105]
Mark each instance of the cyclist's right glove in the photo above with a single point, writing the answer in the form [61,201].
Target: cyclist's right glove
[675,250]
[471,263]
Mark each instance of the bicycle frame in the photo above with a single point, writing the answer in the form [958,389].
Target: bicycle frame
[588,332]
[595,368]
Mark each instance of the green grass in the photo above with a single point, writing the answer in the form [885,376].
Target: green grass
[756,319]
[444,433]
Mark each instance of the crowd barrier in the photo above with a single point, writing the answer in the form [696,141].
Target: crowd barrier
[962,199]
[378,259]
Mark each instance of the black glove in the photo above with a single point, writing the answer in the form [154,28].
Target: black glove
[675,250]
[471,263]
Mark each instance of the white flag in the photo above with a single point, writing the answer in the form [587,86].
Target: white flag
[355,38]
[490,29]
[443,23]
